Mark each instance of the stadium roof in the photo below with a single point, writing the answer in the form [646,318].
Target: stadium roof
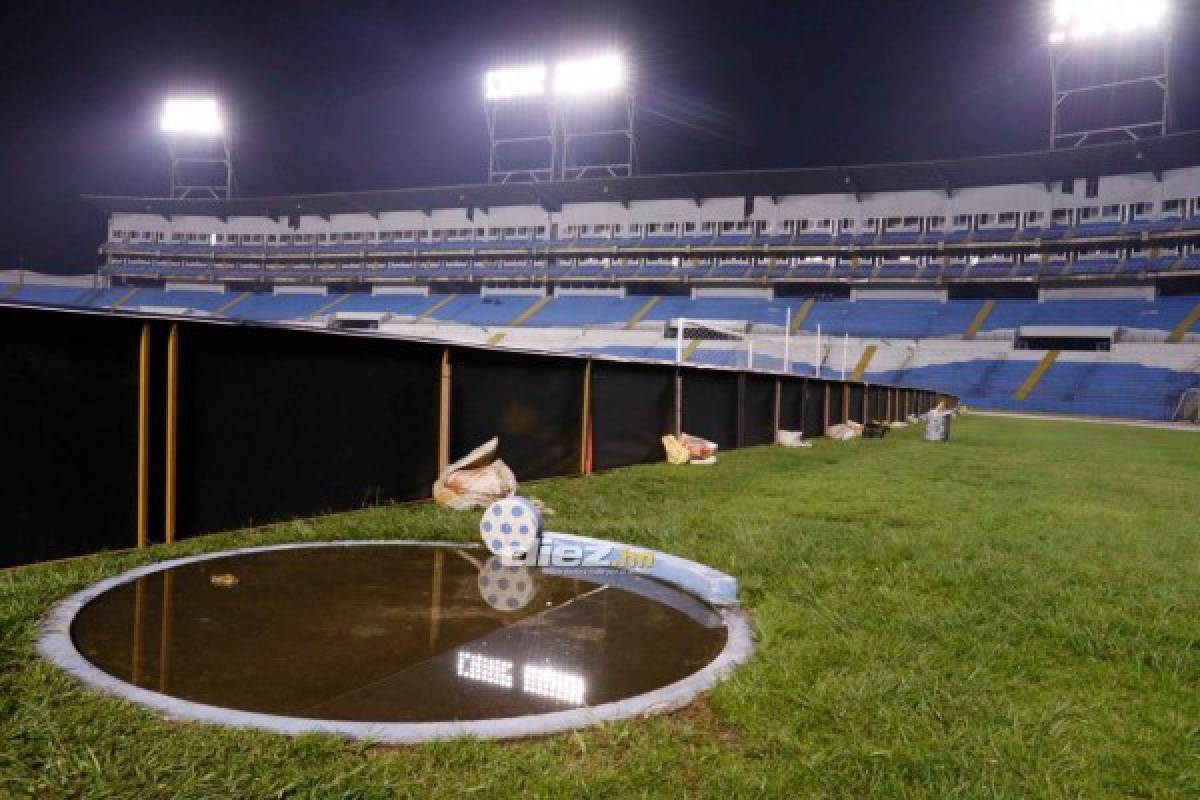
[1148,155]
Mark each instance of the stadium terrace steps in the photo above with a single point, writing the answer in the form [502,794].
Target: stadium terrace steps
[37,294]
[332,304]
[801,314]
[1185,325]
[525,315]
[981,317]
[1025,389]
[642,312]
[266,307]
[864,361]
[124,298]
[473,309]
[436,307]
[241,298]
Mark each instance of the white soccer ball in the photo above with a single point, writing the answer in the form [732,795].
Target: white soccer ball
[511,527]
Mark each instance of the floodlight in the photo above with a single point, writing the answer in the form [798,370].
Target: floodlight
[1089,19]
[198,116]
[589,75]
[503,84]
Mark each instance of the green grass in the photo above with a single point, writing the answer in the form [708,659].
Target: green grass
[1015,614]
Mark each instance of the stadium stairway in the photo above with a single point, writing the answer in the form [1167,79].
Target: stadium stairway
[525,315]
[1030,383]
[328,307]
[864,361]
[1185,325]
[646,308]
[229,306]
[980,318]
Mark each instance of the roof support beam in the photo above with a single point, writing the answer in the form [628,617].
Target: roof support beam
[1155,170]
[947,184]
[852,185]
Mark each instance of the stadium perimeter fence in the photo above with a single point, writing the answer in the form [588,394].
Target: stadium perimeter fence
[121,429]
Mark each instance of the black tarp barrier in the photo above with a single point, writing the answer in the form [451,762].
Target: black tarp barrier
[758,411]
[710,406]
[814,408]
[856,390]
[68,433]
[791,405]
[837,407]
[276,425]
[534,403]
[633,407]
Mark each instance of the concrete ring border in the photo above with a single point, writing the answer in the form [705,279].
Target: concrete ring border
[56,646]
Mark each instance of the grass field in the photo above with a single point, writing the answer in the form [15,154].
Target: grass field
[1015,614]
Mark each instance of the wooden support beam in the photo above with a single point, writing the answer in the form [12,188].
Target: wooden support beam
[444,412]
[143,443]
[585,445]
[172,435]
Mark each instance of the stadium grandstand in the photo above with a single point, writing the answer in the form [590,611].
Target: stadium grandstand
[1059,281]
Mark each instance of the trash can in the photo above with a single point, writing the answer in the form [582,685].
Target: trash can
[937,426]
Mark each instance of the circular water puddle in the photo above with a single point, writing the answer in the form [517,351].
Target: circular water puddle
[392,641]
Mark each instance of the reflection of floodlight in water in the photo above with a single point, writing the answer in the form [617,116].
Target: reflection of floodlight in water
[512,82]
[1078,20]
[494,671]
[589,75]
[197,116]
[554,684]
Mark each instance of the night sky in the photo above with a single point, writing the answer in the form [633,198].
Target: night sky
[356,95]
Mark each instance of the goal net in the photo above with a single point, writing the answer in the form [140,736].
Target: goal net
[725,343]
[1188,409]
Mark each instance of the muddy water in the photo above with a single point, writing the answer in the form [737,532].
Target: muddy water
[392,633]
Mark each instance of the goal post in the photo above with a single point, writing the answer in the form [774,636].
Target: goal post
[728,343]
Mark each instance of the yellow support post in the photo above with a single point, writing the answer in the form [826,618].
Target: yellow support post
[143,444]
[172,437]
[444,413]
[585,445]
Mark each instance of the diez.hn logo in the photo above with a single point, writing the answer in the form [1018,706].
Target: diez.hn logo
[560,554]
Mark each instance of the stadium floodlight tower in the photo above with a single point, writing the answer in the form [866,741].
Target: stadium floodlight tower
[1110,71]
[567,123]
[596,110]
[522,126]
[198,143]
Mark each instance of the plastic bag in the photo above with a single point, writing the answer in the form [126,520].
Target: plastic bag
[844,431]
[791,439]
[687,449]
[476,480]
